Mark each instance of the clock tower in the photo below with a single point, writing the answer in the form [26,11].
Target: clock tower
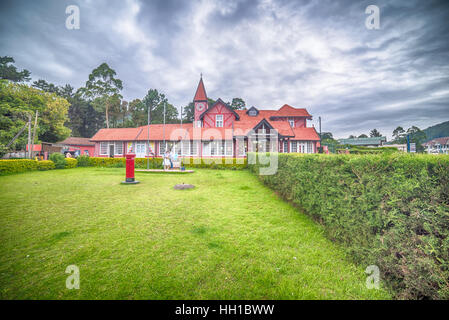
[200,103]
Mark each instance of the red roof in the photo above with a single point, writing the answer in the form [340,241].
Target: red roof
[200,94]
[306,134]
[289,111]
[116,134]
[241,128]
[77,141]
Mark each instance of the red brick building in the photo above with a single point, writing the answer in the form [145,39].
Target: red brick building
[217,131]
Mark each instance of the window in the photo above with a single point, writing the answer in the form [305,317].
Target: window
[309,147]
[119,148]
[285,146]
[292,123]
[219,120]
[294,146]
[193,148]
[229,148]
[218,148]
[104,148]
[185,148]
[241,147]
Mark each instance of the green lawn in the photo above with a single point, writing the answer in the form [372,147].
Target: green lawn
[229,238]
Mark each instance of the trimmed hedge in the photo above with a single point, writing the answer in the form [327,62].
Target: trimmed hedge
[218,163]
[156,163]
[70,163]
[24,165]
[388,210]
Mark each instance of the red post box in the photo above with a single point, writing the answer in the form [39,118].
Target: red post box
[130,169]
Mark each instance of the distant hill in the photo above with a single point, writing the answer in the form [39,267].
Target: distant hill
[437,131]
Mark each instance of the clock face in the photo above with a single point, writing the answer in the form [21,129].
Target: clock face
[201,106]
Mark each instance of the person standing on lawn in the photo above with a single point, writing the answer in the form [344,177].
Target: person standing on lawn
[172,156]
[166,160]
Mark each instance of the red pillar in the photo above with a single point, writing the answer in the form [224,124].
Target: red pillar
[130,169]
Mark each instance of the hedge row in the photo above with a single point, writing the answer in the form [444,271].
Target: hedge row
[23,165]
[366,150]
[388,210]
[156,163]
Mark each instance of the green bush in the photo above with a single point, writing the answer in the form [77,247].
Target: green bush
[70,163]
[389,210]
[217,163]
[156,163]
[45,165]
[17,166]
[83,161]
[23,165]
[59,160]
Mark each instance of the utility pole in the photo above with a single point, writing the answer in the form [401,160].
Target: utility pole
[321,146]
[34,134]
[163,129]
[148,132]
[29,137]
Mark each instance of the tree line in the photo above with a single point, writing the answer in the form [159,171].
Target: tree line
[79,112]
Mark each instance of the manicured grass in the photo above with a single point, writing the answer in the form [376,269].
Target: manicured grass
[229,238]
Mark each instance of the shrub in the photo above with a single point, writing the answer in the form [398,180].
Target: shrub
[105,162]
[83,161]
[59,160]
[70,163]
[389,210]
[45,165]
[156,163]
[217,163]
[17,166]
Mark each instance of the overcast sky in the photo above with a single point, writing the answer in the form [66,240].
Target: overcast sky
[313,54]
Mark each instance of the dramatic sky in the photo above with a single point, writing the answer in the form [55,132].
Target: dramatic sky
[313,54]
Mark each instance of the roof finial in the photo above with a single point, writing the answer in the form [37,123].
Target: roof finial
[201,75]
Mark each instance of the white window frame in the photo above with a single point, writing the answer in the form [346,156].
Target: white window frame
[107,148]
[284,145]
[118,145]
[295,148]
[240,147]
[139,146]
[219,147]
[291,122]
[219,121]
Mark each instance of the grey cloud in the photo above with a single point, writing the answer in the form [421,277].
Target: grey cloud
[314,54]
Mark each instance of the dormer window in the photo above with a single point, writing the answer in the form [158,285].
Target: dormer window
[252,112]
[219,120]
[292,123]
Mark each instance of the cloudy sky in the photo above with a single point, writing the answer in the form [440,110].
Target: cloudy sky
[313,54]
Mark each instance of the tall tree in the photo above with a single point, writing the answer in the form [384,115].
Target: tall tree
[327,135]
[17,101]
[238,104]
[9,71]
[137,113]
[374,133]
[188,113]
[398,133]
[101,85]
